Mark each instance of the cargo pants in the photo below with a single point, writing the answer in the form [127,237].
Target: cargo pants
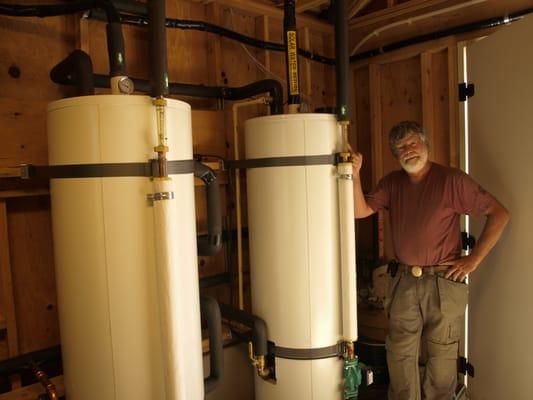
[424,312]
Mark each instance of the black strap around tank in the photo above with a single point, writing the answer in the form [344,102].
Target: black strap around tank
[146,169]
[336,350]
[290,161]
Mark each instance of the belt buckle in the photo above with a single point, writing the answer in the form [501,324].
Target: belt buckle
[416,271]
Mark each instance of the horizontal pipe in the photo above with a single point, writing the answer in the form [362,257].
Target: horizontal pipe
[259,329]
[215,280]
[474,26]
[211,312]
[25,361]
[270,86]
[141,21]
[54,10]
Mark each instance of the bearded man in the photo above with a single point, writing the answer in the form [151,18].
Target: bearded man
[427,297]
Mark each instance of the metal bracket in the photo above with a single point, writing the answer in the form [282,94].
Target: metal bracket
[468,241]
[465,367]
[466,91]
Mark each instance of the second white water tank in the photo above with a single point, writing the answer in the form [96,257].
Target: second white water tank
[293,223]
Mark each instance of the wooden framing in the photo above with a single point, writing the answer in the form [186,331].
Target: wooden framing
[427,99]
[6,285]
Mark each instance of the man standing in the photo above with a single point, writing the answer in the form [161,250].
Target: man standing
[427,297]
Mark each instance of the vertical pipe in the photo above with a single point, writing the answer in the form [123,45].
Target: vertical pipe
[341,52]
[158,48]
[347,245]
[291,60]
[345,184]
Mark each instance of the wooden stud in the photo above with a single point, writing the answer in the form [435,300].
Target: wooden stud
[263,33]
[454,128]
[376,123]
[427,100]
[304,5]
[213,47]
[355,6]
[305,64]
[6,284]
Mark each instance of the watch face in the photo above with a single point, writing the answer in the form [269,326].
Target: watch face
[126,85]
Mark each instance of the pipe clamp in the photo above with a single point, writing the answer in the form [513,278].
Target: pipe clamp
[159,196]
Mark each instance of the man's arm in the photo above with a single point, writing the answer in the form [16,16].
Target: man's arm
[497,218]
[362,209]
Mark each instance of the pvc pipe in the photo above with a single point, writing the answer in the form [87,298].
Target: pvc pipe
[236,107]
[347,246]
[178,302]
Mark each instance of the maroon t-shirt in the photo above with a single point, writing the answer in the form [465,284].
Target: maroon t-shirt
[425,216]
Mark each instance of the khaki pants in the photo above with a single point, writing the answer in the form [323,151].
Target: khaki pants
[426,313]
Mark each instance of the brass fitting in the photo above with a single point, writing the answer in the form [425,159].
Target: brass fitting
[160,102]
[46,383]
[259,362]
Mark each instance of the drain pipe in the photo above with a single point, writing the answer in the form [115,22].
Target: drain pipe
[76,68]
[352,371]
[291,56]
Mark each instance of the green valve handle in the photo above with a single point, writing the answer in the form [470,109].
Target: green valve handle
[352,378]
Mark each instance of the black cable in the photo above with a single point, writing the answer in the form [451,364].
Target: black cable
[137,20]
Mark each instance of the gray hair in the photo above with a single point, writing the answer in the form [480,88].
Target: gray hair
[403,129]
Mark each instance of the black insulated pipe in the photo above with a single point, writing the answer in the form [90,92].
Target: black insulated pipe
[115,49]
[23,362]
[211,244]
[158,48]
[211,312]
[259,329]
[76,69]
[290,38]
[341,52]
[270,86]
[458,30]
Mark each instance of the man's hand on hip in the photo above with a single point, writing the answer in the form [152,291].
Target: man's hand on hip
[461,267]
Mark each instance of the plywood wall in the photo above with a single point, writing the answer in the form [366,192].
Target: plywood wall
[30,47]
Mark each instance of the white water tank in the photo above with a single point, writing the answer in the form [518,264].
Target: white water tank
[104,250]
[293,223]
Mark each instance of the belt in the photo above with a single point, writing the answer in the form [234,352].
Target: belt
[418,270]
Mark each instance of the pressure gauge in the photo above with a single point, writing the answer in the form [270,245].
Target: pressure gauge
[125,85]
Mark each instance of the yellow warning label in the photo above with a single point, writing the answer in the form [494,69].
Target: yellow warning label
[292,60]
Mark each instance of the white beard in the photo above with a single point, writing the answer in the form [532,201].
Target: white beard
[414,167]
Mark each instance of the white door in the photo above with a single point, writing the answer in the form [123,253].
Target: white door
[500,129]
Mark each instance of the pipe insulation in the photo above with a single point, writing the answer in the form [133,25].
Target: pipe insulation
[158,48]
[347,249]
[341,53]
[178,301]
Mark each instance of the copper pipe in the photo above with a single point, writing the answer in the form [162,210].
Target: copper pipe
[45,382]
